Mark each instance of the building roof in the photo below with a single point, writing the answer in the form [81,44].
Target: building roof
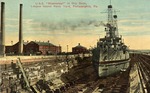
[79,46]
[25,43]
[44,43]
[39,43]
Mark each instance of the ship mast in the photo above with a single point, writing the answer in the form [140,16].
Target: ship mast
[115,24]
[110,13]
[112,28]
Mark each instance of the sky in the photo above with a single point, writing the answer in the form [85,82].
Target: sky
[69,22]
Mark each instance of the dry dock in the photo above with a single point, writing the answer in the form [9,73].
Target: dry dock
[79,77]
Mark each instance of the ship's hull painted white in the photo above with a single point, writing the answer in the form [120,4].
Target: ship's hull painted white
[112,68]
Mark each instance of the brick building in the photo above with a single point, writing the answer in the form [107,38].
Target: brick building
[42,47]
[79,49]
[34,47]
[14,48]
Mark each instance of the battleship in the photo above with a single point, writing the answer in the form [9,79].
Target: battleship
[111,55]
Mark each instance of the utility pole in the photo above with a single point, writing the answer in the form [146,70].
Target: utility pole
[67,58]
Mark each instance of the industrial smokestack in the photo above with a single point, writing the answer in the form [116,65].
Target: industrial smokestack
[2,35]
[20,31]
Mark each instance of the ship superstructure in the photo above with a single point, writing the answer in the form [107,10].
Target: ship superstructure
[111,54]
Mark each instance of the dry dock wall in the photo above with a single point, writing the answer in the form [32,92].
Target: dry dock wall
[9,59]
[135,83]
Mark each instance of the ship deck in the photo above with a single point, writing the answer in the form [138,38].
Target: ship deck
[115,61]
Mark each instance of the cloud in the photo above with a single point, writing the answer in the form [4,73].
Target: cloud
[11,25]
[12,19]
[133,22]
[134,27]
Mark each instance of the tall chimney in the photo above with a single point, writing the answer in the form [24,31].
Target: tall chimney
[20,31]
[2,35]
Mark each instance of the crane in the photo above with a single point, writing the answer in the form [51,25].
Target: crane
[30,88]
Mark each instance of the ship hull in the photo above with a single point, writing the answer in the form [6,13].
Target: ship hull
[117,62]
[110,68]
